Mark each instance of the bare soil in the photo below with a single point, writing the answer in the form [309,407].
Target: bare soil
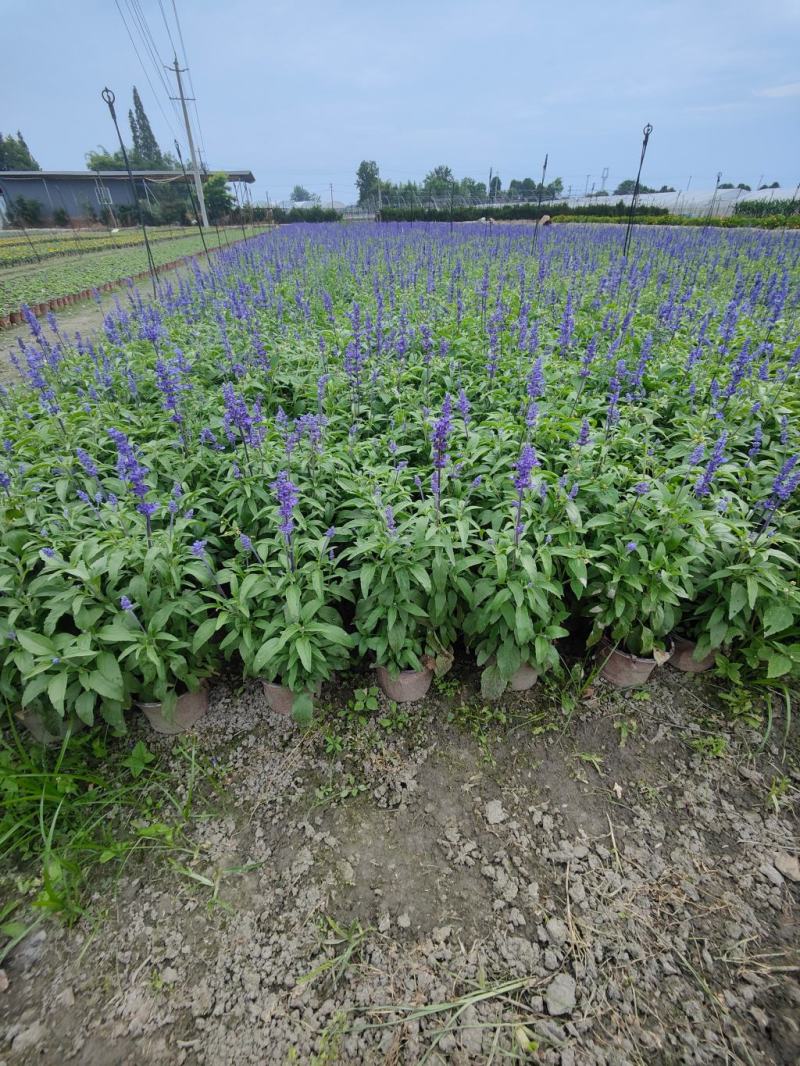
[457,888]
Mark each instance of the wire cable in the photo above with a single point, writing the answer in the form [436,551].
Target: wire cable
[202,139]
[144,68]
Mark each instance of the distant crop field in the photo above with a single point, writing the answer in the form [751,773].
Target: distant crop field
[56,277]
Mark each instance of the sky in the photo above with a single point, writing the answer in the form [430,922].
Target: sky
[300,91]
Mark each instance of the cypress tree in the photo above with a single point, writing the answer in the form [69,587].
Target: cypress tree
[148,145]
[137,141]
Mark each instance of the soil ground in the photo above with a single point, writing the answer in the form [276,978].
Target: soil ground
[447,883]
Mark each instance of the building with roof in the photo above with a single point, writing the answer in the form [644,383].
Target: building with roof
[85,195]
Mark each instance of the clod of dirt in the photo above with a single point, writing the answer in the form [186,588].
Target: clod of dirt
[788,865]
[560,995]
[494,812]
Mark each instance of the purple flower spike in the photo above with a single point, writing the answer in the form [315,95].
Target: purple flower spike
[288,498]
[125,603]
[198,549]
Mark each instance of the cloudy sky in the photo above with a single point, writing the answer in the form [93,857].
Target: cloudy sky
[301,91]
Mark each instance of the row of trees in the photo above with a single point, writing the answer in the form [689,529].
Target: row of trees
[441,182]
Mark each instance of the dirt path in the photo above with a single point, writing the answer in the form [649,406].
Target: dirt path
[449,885]
[85,317]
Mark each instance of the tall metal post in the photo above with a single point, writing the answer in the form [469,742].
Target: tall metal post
[109,98]
[198,184]
[648,129]
[195,207]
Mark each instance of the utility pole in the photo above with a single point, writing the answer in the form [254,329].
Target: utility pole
[490,184]
[380,198]
[604,178]
[198,185]
[330,186]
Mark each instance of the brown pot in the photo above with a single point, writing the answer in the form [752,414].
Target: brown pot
[683,657]
[407,686]
[189,709]
[523,679]
[280,699]
[622,668]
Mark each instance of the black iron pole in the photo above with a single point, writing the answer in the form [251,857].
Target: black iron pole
[195,207]
[109,98]
[648,129]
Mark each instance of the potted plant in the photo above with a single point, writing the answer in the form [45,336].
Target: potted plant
[392,555]
[279,609]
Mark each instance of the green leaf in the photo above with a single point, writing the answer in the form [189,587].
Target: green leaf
[103,687]
[493,684]
[303,708]
[266,653]
[203,633]
[737,599]
[293,603]
[777,617]
[303,646]
[35,643]
[109,667]
[508,659]
[34,688]
[56,691]
[84,707]
[778,664]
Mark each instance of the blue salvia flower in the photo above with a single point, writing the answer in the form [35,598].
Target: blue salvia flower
[391,525]
[755,447]
[125,603]
[87,462]
[642,488]
[439,441]
[522,482]
[584,436]
[464,406]
[535,385]
[696,455]
[198,549]
[703,485]
[631,546]
[785,430]
[288,498]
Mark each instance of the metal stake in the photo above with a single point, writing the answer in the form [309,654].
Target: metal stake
[109,98]
[648,129]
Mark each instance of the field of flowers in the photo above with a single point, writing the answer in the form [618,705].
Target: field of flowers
[35,246]
[398,443]
[54,278]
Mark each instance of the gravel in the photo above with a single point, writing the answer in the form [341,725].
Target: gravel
[420,892]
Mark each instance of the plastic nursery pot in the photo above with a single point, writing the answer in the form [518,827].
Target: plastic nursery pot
[280,699]
[683,657]
[524,678]
[189,709]
[623,669]
[47,730]
[409,685]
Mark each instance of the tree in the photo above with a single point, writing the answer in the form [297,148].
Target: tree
[625,188]
[219,201]
[495,186]
[726,185]
[367,177]
[438,181]
[15,154]
[145,146]
[745,188]
[300,194]
[669,188]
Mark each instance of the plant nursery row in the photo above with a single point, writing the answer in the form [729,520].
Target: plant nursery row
[382,444]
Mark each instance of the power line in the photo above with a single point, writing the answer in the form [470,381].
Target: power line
[144,68]
[166,27]
[150,46]
[191,82]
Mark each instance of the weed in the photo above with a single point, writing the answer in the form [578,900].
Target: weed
[358,710]
[713,745]
[779,789]
[592,759]
[347,788]
[446,686]
[478,720]
[350,939]
[396,721]
[627,727]
[70,810]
